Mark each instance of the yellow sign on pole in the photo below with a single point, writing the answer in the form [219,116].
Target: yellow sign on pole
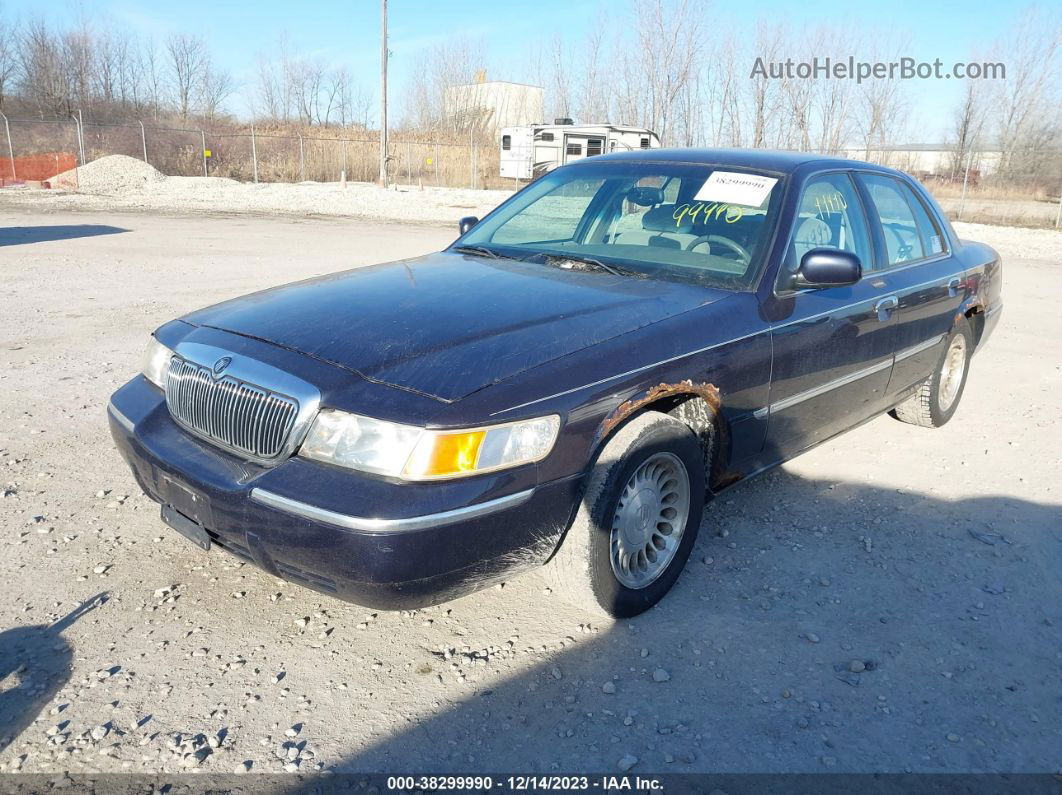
[206,153]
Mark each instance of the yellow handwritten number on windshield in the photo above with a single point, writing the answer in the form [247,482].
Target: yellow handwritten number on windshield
[729,212]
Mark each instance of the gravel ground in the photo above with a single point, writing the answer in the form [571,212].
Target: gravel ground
[117,182]
[889,601]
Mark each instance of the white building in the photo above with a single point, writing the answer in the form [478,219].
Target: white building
[491,105]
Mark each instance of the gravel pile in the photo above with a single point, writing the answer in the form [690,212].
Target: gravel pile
[113,175]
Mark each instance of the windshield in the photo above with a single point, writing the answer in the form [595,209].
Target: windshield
[703,224]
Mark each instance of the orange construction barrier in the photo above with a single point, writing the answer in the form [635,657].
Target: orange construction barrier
[36,168]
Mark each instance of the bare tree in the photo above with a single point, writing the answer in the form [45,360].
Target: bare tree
[969,123]
[215,88]
[43,79]
[151,66]
[1031,86]
[832,100]
[670,39]
[187,62]
[433,96]
[595,100]
[8,59]
[880,108]
[305,79]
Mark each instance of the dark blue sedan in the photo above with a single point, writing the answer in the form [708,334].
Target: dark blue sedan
[564,385]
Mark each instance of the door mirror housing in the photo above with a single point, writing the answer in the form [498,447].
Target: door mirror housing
[467,223]
[827,267]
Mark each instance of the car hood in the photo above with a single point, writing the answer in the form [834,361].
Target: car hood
[448,324]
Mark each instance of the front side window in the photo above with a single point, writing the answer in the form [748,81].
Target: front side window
[829,216]
[701,224]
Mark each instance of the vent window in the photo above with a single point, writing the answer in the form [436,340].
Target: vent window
[645,143]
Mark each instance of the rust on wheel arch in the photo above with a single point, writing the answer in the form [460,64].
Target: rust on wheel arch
[681,399]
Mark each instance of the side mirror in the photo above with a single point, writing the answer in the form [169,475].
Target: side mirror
[827,267]
[467,223]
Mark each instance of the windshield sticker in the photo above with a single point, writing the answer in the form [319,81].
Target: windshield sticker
[732,187]
[729,213]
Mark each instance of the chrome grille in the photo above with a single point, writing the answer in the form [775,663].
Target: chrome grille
[234,414]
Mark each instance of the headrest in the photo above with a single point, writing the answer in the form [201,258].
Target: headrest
[813,232]
[662,219]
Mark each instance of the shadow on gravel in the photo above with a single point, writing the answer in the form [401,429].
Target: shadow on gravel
[34,666]
[838,627]
[22,235]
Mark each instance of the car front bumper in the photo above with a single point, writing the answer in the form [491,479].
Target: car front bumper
[364,539]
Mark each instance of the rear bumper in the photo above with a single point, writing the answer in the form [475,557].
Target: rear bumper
[364,539]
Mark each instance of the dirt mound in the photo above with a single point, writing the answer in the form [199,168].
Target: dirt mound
[113,174]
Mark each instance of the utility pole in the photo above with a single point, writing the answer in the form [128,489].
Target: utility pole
[383,93]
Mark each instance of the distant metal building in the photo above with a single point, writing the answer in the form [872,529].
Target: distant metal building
[528,151]
[491,105]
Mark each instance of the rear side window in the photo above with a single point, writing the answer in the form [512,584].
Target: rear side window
[932,238]
[910,233]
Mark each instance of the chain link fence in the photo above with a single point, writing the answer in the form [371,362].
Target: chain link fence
[251,155]
[1021,188]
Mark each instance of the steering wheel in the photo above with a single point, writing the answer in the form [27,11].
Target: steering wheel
[726,242]
[904,250]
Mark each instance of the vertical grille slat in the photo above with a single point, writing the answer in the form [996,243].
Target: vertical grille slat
[243,417]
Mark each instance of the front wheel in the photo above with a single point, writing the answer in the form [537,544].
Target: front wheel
[937,398]
[637,522]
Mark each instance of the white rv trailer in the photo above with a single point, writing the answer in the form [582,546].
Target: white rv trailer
[530,151]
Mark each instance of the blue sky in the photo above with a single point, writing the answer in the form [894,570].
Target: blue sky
[347,32]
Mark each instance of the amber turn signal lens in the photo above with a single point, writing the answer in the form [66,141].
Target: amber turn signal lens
[452,454]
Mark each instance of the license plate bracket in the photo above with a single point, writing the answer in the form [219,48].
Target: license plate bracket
[194,532]
[184,500]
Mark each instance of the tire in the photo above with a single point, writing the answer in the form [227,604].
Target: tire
[937,398]
[652,446]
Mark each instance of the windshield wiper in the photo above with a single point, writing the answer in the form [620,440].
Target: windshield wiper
[487,252]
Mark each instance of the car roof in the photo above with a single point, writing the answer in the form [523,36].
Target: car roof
[766,159]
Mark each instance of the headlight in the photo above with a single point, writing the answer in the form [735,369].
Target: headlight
[412,453]
[157,363]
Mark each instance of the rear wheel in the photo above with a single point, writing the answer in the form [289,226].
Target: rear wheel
[937,398]
[637,522]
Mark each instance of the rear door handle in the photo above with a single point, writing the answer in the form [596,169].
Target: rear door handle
[953,287]
[885,306]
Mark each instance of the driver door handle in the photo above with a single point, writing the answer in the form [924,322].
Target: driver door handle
[953,287]
[885,306]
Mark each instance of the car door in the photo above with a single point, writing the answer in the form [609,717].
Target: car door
[832,346]
[918,271]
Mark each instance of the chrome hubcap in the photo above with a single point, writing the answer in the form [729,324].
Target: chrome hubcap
[951,372]
[650,517]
